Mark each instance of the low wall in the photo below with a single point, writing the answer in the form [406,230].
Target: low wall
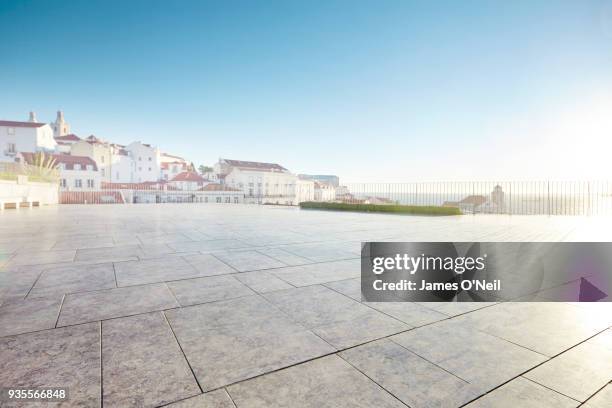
[45,193]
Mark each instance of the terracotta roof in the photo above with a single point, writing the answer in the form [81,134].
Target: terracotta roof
[68,138]
[166,165]
[188,176]
[248,165]
[67,160]
[217,187]
[12,123]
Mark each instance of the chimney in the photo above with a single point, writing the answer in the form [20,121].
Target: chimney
[33,117]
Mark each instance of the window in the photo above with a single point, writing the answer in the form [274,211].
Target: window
[90,183]
[205,199]
[78,183]
[102,172]
[63,183]
[77,166]
[150,159]
[218,199]
[149,169]
[227,199]
[10,148]
[89,167]
[235,200]
[139,158]
[10,131]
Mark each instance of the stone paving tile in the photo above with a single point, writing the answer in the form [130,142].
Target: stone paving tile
[262,281]
[155,251]
[73,278]
[153,271]
[67,357]
[143,365]
[523,393]
[209,289]
[114,254]
[323,252]
[233,340]
[408,312]
[577,373]
[15,283]
[603,399]
[208,265]
[455,308]
[412,379]
[327,382]
[340,321]
[213,399]
[42,257]
[479,358]
[147,239]
[285,257]
[84,243]
[22,316]
[548,328]
[110,303]
[318,273]
[208,246]
[244,261]
[348,287]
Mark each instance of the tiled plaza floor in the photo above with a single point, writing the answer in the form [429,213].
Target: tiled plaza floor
[243,306]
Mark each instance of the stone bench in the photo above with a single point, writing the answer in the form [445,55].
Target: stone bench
[17,202]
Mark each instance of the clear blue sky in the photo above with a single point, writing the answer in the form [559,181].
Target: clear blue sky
[368,90]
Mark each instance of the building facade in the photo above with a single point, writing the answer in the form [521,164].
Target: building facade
[18,137]
[261,183]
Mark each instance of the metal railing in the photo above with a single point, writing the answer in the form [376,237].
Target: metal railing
[479,197]
[516,197]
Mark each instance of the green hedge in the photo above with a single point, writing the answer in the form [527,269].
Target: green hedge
[395,209]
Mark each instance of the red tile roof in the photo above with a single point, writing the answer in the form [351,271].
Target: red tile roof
[248,165]
[188,176]
[68,138]
[67,160]
[12,123]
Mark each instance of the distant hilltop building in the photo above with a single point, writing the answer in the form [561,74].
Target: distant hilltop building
[325,178]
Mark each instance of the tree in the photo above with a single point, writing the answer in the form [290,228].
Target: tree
[204,169]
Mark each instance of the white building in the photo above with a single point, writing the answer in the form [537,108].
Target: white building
[324,191]
[187,181]
[147,161]
[170,170]
[304,190]
[77,173]
[64,143]
[262,183]
[30,136]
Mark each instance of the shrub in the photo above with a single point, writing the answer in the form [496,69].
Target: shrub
[394,209]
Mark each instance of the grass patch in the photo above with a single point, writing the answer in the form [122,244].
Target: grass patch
[393,209]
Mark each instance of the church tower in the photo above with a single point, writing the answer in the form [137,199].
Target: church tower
[60,126]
